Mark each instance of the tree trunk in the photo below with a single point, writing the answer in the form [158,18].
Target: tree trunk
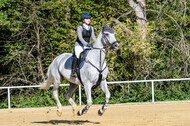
[140,10]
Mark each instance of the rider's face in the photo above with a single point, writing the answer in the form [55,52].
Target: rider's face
[86,21]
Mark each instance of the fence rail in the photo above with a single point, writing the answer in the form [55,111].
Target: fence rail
[114,82]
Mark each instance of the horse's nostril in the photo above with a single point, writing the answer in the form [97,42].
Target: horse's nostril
[116,45]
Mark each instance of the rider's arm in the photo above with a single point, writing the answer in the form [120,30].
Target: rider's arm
[93,35]
[79,33]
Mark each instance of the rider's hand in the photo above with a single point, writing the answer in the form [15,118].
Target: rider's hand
[89,45]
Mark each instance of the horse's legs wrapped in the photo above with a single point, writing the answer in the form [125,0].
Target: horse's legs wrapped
[83,111]
[107,93]
[69,94]
[55,94]
[87,88]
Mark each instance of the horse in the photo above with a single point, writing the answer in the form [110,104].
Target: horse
[93,71]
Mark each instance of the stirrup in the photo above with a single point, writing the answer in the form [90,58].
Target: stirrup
[74,74]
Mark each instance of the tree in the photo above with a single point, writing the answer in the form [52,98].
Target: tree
[31,30]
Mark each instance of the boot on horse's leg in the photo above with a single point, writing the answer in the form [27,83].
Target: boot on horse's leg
[74,64]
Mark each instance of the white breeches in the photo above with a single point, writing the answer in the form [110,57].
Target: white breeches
[79,49]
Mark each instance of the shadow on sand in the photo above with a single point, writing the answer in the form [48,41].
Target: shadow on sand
[76,122]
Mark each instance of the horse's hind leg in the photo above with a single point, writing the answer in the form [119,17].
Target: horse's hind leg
[55,94]
[69,94]
[107,93]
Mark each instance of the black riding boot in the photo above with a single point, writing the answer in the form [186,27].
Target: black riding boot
[74,64]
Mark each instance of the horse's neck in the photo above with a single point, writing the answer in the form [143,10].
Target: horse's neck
[97,55]
[98,43]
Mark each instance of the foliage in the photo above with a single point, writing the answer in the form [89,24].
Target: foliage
[33,33]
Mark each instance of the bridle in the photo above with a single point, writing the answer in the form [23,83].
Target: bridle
[105,39]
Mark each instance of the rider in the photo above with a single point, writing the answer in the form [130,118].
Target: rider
[84,33]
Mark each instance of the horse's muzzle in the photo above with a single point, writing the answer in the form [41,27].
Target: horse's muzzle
[115,46]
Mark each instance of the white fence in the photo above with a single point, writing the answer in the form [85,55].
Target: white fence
[115,82]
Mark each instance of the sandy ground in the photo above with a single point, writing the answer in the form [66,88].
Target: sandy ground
[144,114]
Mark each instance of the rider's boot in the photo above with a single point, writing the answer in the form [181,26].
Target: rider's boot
[74,64]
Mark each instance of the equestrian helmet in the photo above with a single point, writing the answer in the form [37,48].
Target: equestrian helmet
[85,15]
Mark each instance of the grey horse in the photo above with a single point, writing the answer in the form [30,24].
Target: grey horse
[92,70]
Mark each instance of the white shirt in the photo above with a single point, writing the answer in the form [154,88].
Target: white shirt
[87,27]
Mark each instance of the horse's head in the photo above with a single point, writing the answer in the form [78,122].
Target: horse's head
[108,37]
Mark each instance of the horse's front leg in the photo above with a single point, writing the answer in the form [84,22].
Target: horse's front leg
[107,93]
[89,100]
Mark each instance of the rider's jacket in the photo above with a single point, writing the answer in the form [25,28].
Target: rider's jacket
[86,34]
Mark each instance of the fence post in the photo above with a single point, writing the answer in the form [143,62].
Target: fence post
[9,99]
[152,91]
[79,94]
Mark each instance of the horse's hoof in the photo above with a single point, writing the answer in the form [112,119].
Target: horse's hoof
[75,111]
[79,113]
[100,113]
[59,113]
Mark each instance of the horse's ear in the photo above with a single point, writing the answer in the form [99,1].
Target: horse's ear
[111,25]
[104,24]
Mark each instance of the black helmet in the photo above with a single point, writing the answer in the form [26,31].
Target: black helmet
[85,15]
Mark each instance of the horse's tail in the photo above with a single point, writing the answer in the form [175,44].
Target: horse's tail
[46,84]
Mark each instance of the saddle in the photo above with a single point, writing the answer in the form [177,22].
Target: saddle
[80,63]
[82,58]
